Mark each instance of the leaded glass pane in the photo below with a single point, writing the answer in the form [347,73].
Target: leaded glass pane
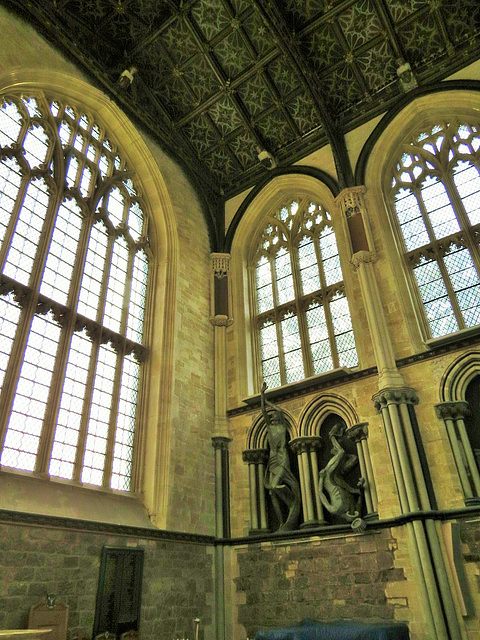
[89,298]
[439,208]
[98,423]
[319,340]
[330,258]
[307,260]
[292,349]
[9,124]
[411,222]
[10,180]
[30,401]
[467,180]
[125,429]
[9,316]
[117,278]
[36,146]
[270,357]
[86,182]
[115,206]
[136,308]
[283,272]
[342,328]
[23,247]
[465,283]
[135,221]
[435,298]
[72,172]
[62,251]
[264,285]
[62,459]
[65,133]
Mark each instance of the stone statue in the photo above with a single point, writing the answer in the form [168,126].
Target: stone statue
[343,501]
[279,480]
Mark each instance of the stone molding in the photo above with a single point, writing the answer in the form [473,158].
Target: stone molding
[255,456]
[220,264]
[358,432]
[305,444]
[400,395]
[221,442]
[363,257]
[452,410]
[221,321]
[351,201]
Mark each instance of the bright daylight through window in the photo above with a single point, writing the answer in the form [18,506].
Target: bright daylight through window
[73,277]
[436,191]
[303,320]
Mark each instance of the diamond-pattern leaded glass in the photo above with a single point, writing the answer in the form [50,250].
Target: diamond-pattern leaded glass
[442,201]
[68,268]
[298,261]
[30,401]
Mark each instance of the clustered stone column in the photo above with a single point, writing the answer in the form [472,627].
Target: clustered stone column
[256,460]
[453,414]
[396,403]
[306,448]
[359,434]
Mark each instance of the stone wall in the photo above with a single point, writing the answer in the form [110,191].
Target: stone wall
[34,560]
[331,578]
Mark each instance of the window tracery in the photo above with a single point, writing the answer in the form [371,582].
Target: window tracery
[436,194]
[74,261]
[303,320]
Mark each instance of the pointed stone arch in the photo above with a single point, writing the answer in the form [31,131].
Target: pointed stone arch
[458,375]
[314,414]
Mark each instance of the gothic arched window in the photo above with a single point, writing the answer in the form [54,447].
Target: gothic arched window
[302,317]
[436,195]
[73,277]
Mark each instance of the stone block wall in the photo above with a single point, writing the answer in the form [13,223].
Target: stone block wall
[331,578]
[34,560]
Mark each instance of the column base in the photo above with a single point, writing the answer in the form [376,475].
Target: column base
[313,523]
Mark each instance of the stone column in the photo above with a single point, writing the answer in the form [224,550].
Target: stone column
[352,206]
[256,459]
[220,321]
[453,414]
[427,554]
[305,448]
[359,434]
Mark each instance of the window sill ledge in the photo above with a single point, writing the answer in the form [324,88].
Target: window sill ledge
[451,338]
[295,388]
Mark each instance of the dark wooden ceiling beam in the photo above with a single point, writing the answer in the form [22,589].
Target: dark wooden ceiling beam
[286,42]
[388,24]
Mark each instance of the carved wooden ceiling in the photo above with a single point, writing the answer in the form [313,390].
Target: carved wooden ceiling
[218,78]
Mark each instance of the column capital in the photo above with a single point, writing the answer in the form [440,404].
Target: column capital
[358,432]
[394,395]
[220,264]
[351,201]
[221,321]
[221,442]
[305,444]
[255,456]
[452,410]
[363,257]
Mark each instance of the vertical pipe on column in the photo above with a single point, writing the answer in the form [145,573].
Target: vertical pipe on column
[318,504]
[472,464]
[403,457]
[308,486]
[462,473]
[370,476]
[415,458]
[253,496]
[402,493]
[261,496]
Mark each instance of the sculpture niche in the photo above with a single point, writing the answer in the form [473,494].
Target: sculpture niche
[344,501]
[279,480]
